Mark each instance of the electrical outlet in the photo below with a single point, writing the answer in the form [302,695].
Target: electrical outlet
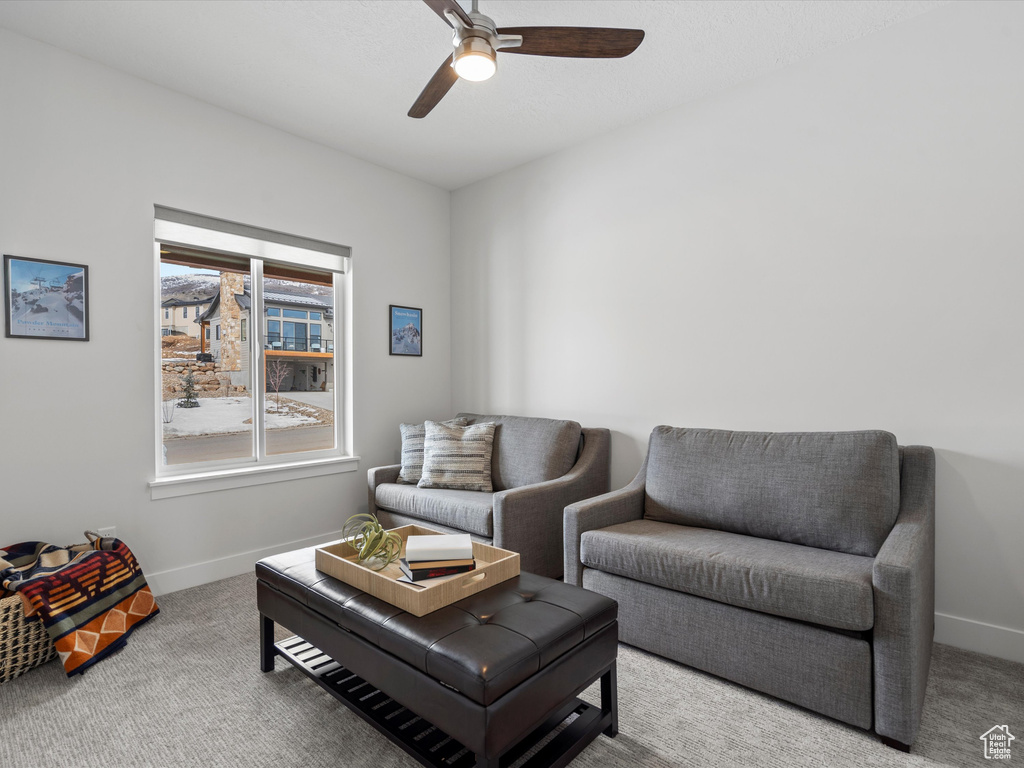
[108,533]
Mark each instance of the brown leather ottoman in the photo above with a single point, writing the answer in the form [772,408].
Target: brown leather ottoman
[478,683]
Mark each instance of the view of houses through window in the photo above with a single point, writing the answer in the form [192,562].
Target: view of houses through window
[208,378]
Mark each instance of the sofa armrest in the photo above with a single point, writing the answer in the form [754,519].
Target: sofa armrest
[903,578]
[378,476]
[528,519]
[613,508]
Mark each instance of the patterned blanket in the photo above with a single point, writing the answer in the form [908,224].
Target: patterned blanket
[89,596]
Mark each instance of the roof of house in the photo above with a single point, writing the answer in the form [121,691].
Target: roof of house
[187,302]
[270,298]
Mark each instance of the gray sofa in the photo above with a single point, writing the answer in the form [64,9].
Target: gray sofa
[798,564]
[538,466]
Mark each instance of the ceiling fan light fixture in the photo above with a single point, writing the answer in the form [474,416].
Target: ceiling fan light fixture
[477,39]
[475,59]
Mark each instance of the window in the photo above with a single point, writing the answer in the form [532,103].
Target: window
[184,313]
[315,316]
[294,337]
[226,420]
[167,314]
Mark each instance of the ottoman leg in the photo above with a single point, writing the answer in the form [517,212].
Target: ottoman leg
[267,650]
[610,701]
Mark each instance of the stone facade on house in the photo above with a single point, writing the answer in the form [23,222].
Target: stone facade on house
[231,283]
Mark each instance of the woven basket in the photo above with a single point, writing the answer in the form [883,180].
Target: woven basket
[24,643]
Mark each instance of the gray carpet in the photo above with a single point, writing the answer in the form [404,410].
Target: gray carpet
[187,691]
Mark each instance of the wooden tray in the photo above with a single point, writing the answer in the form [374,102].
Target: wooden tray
[493,566]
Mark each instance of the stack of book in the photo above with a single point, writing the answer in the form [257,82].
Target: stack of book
[431,557]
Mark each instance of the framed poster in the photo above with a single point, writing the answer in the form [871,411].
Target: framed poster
[46,299]
[406,325]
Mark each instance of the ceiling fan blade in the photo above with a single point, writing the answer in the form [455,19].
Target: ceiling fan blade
[440,6]
[439,85]
[575,42]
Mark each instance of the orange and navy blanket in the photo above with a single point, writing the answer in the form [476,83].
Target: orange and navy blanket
[90,597]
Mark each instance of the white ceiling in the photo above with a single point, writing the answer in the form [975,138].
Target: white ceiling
[344,73]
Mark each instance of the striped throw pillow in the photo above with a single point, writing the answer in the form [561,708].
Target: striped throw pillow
[457,457]
[412,449]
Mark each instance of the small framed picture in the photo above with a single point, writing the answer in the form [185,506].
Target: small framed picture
[406,326]
[46,299]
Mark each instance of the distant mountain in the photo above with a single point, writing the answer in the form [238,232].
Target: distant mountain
[194,287]
[189,287]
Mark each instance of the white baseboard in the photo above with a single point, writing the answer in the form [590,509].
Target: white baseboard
[224,567]
[978,636]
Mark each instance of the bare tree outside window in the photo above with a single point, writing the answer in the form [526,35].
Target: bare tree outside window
[277,372]
[167,407]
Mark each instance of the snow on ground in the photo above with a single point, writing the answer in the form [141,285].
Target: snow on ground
[221,415]
[323,400]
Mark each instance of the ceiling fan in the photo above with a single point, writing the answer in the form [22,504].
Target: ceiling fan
[477,41]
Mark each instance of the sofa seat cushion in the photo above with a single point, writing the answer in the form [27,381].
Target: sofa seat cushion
[832,490]
[529,450]
[832,589]
[469,511]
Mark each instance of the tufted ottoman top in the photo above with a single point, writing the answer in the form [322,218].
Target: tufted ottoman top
[482,646]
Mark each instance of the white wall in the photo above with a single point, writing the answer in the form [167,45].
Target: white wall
[834,246]
[85,153]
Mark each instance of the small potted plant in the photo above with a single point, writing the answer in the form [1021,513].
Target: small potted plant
[375,547]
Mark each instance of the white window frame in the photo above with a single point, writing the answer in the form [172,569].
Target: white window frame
[184,229]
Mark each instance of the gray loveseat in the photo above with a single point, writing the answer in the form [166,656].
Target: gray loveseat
[538,466]
[798,564]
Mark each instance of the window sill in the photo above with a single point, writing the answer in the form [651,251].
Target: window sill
[240,477]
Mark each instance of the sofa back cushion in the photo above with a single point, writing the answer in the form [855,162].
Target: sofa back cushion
[529,450]
[832,490]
